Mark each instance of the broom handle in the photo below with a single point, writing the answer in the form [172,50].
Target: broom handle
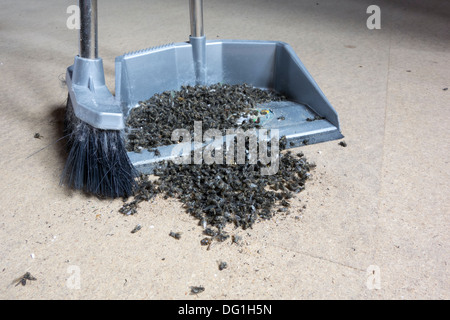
[88,29]
[196,14]
[89,25]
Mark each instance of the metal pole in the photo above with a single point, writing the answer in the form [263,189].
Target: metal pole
[197,40]
[88,29]
[196,14]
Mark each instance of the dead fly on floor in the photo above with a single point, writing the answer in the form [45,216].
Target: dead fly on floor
[197,290]
[136,229]
[236,239]
[176,235]
[206,242]
[223,265]
[23,279]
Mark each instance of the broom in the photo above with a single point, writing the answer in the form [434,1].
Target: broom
[97,161]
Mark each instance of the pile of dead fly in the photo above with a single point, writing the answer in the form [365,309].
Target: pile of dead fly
[218,106]
[218,194]
[215,194]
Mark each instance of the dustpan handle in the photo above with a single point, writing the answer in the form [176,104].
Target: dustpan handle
[196,15]
[197,40]
[88,29]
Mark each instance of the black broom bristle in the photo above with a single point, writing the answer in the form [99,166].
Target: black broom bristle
[97,162]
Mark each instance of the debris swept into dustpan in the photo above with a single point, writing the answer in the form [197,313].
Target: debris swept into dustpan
[218,106]
[220,84]
[215,194]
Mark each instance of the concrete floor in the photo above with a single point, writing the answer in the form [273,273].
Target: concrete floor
[375,210]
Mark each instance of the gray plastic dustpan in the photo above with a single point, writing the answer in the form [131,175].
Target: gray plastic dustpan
[308,116]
